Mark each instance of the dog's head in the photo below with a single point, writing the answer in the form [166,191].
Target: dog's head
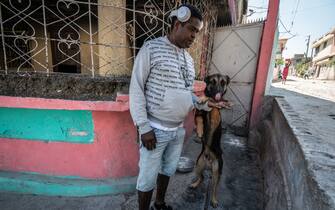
[216,86]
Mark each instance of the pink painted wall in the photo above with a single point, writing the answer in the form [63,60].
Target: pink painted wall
[113,154]
[121,103]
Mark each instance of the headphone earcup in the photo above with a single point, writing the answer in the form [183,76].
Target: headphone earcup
[173,13]
[183,14]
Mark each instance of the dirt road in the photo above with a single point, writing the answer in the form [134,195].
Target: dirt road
[323,89]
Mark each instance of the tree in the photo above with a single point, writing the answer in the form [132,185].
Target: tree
[302,67]
[279,62]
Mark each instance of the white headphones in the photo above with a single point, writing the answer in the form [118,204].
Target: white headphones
[183,14]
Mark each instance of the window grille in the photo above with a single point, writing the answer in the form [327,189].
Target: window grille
[94,37]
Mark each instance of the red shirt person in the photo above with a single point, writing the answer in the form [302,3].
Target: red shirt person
[285,73]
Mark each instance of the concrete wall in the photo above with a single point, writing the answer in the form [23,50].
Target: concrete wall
[196,51]
[104,146]
[67,148]
[70,148]
[288,181]
[327,72]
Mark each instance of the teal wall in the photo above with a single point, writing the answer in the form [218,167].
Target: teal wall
[47,125]
[63,186]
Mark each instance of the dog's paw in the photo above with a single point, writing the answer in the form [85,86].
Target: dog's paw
[195,184]
[202,99]
[214,203]
[225,104]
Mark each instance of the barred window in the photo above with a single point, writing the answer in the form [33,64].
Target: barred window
[94,37]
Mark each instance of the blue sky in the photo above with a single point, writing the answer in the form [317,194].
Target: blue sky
[313,18]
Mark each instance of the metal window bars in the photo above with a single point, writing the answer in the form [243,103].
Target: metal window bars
[95,37]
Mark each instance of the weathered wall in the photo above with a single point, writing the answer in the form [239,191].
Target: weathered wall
[68,147]
[288,181]
[327,72]
[105,148]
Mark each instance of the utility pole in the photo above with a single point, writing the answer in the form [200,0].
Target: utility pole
[309,37]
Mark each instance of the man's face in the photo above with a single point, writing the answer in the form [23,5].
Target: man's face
[185,33]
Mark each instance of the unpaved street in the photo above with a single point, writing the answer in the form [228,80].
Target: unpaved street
[314,101]
[323,89]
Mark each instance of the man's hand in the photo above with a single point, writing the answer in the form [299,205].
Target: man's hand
[202,99]
[220,104]
[149,140]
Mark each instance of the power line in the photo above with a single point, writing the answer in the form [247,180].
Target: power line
[287,31]
[295,13]
[292,22]
[292,36]
[311,8]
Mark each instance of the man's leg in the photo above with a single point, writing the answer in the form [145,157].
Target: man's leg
[169,165]
[162,184]
[144,199]
[150,164]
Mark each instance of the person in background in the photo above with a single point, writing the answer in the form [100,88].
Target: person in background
[285,73]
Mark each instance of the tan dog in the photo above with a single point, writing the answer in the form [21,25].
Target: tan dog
[209,129]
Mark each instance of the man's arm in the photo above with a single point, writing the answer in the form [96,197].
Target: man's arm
[137,98]
[207,105]
[199,104]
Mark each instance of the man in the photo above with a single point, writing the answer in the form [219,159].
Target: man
[160,99]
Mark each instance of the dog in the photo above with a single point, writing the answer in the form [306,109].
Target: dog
[209,130]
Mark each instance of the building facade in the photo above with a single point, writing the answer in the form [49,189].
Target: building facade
[324,56]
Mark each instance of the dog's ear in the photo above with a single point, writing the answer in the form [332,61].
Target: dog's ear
[227,79]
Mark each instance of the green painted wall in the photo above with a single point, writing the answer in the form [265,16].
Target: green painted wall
[63,186]
[47,125]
